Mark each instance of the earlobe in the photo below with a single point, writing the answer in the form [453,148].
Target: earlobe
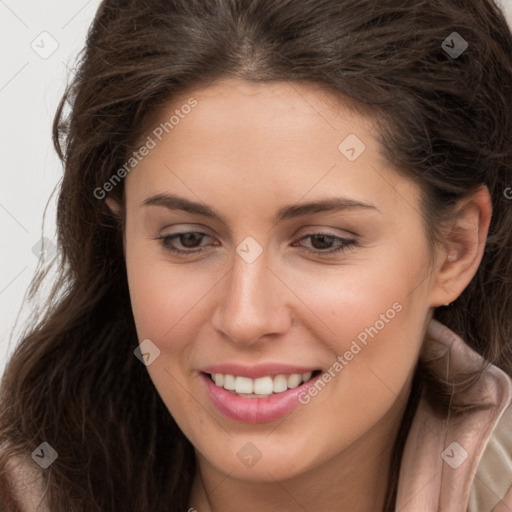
[114,206]
[463,247]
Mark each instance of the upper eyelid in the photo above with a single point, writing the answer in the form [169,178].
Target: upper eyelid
[309,232]
[315,228]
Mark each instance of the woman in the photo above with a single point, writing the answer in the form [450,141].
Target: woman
[285,244]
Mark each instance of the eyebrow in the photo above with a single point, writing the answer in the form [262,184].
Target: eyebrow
[174,202]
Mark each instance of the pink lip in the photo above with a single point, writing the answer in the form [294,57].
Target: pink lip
[255,410]
[256,371]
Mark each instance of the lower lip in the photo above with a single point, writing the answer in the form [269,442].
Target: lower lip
[256,410]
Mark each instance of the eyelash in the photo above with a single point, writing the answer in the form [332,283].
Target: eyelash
[345,243]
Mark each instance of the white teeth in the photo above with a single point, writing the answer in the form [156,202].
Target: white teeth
[280,383]
[229,382]
[262,386]
[294,380]
[243,385]
[306,376]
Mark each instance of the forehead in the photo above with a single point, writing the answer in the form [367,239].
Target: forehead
[265,109]
[271,138]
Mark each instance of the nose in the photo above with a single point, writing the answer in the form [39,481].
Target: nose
[252,304]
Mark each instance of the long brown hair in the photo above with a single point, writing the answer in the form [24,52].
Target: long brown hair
[445,121]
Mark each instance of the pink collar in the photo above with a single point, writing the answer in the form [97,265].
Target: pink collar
[442,453]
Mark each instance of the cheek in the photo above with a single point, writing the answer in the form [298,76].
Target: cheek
[373,317]
[166,301]
[371,325]
[162,294]
[378,303]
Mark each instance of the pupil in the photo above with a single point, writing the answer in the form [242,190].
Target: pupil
[323,237]
[189,237]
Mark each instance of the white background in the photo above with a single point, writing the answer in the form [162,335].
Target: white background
[31,84]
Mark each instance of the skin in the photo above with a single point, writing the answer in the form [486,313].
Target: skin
[246,150]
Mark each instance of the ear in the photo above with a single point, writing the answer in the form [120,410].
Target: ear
[115,208]
[462,248]
[113,205]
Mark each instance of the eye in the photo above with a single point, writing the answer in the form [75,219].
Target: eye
[187,239]
[328,243]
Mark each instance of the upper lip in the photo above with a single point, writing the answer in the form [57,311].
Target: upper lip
[258,370]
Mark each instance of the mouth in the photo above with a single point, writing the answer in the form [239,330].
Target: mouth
[262,399]
[261,387]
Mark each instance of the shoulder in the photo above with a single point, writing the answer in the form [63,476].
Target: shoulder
[21,485]
[491,490]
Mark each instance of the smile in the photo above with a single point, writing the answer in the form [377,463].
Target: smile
[261,387]
[261,399]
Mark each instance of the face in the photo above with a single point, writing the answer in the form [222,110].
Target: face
[314,314]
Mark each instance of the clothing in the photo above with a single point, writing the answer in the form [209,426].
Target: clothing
[475,474]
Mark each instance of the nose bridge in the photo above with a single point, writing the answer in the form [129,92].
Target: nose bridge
[251,304]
